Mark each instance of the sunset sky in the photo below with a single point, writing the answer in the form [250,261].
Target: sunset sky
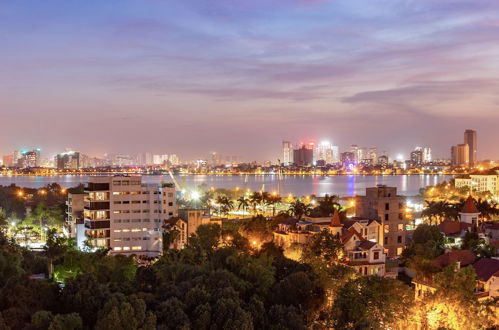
[239,76]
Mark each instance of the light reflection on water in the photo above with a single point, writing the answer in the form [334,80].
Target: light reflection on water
[346,185]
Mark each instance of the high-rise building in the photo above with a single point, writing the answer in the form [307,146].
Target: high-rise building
[327,153]
[426,155]
[471,140]
[304,156]
[127,216]
[8,160]
[383,204]
[67,160]
[29,159]
[417,157]
[347,159]
[287,153]
[372,155]
[174,160]
[460,155]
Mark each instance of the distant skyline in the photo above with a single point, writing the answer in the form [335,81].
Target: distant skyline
[238,77]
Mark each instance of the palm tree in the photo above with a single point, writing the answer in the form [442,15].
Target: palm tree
[243,202]
[255,199]
[225,204]
[488,210]
[327,205]
[299,209]
[272,200]
[440,210]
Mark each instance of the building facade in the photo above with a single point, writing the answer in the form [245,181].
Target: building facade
[287,153]
[460,155]
[122,213]
[382,203]
[471,140]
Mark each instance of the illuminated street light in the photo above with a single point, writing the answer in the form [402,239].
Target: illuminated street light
[195,195]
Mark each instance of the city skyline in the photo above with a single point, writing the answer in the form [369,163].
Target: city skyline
[128,77]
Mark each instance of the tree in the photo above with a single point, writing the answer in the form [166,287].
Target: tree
[55,247]
[171,315]
[473,242]
[127,313]
[372,302]
[299,209]
[255,200]
[273,200]
[66,322]
[427,244]
[243,203]
[324,245]
[4,223]
[328,205]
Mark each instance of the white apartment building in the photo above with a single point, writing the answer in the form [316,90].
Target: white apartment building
[122,213]
[479,183]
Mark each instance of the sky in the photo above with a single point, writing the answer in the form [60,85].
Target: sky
[239,76]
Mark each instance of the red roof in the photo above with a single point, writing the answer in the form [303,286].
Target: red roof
[485,268]
[470,206]
[448,227]
[464,257]
[335,220]
[349,234]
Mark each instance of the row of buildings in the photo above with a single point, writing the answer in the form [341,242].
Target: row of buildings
[379,230]
[324,153]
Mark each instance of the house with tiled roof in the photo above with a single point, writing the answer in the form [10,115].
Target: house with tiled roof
[361,239]
[487,272]
[486,269]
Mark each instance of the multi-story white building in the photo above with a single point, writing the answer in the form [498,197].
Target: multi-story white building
[287,153]
[480,182]
[122,213]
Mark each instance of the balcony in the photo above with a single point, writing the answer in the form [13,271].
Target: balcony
[96,206]
[97,224]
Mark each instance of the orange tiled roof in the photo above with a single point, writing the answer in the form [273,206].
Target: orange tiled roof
[453,227]
[470,206]
[335,220]
[465,257]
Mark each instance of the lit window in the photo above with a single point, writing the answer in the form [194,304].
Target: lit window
[117,231]
[117,248]
[126,248]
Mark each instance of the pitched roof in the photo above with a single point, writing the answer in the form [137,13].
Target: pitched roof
[485,268]
[347,235]
[464,257]
[366,245]
[469,206]
[448,227]
[335,220]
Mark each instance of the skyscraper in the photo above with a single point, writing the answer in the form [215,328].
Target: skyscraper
[460,155]
[287,153]
[470,140]
[303,156]
[67,160]
[327,153]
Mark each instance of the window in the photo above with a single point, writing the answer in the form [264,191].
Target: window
[135,202]
[126,248]
[170,204]
[376,255]
[401,216]
[387,206]
[386,217]
[117,183]
[399,239]
[400,227]
[386,240]
[116,202]
[399,251]
[126,202]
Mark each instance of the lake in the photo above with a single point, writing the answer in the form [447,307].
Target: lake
[344,185]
